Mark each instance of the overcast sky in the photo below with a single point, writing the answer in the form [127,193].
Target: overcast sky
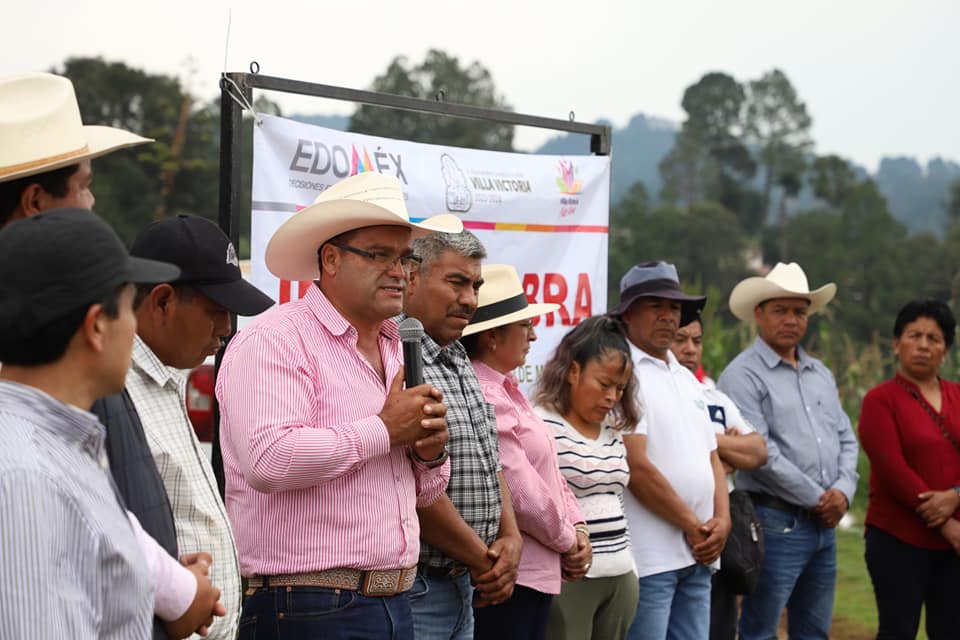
[879,77]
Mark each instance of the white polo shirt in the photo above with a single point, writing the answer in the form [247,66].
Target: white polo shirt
[680,438]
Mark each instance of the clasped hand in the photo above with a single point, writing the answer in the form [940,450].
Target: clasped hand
[415,417]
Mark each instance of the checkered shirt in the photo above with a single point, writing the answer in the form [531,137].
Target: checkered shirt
[474,487]
[159,394]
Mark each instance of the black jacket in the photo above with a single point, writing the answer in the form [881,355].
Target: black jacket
[136,475]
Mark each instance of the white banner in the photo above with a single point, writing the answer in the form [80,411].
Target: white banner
[545,215]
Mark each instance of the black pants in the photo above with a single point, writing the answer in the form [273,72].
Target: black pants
[905,578]
[723,610]
[522,617]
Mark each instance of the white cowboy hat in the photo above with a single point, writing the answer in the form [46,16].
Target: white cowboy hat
[41,129]
[501,300]
[783,281]
[365,200]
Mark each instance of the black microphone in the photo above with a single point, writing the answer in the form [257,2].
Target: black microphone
[411,333]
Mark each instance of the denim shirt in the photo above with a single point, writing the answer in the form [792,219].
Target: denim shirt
[810,443]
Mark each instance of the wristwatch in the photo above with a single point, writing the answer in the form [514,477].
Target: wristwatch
[430,464]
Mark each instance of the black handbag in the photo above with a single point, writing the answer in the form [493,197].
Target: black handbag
[742,559]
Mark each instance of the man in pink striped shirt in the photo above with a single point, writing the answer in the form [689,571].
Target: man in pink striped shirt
[327,456]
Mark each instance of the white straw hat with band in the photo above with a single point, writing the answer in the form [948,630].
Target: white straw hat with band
[41,129]
[502,301]
[364,200]
[783,281]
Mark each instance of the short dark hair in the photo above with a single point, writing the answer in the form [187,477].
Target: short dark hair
[936,310]
[48,343]
[55,182]
[592,339]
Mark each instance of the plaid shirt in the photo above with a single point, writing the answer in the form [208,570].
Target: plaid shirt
[158,392]
[474,487]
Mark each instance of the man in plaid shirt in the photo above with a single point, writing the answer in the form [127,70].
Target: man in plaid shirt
[469,538]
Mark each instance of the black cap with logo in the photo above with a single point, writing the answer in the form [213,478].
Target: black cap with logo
[62,260]
[207,261]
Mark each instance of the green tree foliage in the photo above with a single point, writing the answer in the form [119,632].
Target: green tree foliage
[832,179]
[177,173]
[705,241]
[778,127]
[709,161]
[952,206]
[439,73]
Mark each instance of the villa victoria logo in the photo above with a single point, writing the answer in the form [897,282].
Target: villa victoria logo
[569,186]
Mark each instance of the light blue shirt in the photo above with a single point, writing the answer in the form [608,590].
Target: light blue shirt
[70,565]
[811,446]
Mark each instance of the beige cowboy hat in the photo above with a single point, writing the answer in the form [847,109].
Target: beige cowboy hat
[365,200]
[783,281]
[501,300]
[41,129]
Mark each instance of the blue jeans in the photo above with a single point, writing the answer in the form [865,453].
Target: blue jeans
[673,605]
[442,607]
[301,613]
[799,573]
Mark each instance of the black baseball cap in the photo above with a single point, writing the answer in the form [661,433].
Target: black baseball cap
[62,260]
[207,260]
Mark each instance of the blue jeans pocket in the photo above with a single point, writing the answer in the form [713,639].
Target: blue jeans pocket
[419,589]
[305,602]
[775,521]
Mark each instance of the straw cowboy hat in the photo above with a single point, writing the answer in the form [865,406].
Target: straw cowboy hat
[365,200]
[501,300]
[657,280]
[41,130]
[783,281]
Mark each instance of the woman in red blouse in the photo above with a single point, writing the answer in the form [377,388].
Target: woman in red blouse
[910,431]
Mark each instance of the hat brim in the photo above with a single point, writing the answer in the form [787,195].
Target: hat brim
[750,292]
[144,271]
[100,141]
[239,297]
[690,306]
[292,251]
[530,311]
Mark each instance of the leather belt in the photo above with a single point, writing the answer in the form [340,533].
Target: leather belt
[773,502]
[388,582]
[441,572]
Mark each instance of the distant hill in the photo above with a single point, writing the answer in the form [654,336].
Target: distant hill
[637,150]
[916,193]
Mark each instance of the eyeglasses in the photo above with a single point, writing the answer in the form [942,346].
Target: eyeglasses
[408,262]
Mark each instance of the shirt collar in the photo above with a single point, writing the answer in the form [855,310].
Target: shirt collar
[771,358]
[333,321]
[639,355]
[145,360]
[71,424]
[453,353]
[486,373]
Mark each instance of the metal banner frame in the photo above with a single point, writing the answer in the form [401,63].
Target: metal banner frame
[236,94]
